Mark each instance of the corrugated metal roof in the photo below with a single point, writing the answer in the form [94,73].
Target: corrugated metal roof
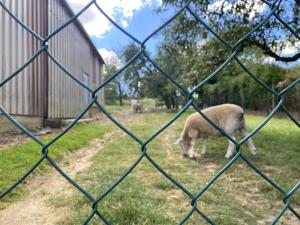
[80,26]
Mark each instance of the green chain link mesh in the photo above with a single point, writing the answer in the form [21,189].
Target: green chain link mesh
[286,195]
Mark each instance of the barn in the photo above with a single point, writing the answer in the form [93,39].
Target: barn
[42,92]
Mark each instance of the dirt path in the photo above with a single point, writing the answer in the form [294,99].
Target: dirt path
[35,209]
[169,145]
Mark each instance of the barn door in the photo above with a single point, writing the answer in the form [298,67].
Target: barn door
[85,92]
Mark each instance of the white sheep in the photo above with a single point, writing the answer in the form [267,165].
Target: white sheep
[229,117]
[137,106]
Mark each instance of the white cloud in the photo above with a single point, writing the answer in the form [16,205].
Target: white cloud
[121,11]
[268,60]
[257,7]
[287,51]
[124,23]
[110,57]
[291,49]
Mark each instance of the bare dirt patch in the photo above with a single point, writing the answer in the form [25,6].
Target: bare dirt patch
[9,139]
[35,208]
[169,145]
[12,138]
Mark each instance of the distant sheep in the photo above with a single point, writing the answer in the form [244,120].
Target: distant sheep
[136,106]
[229,117]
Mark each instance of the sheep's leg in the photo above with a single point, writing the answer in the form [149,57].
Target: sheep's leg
[185,152]
[204,147]
[250,142]
[193,134]
[230,148]
[192,149]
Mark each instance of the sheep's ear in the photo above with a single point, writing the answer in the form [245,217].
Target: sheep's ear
[178,141]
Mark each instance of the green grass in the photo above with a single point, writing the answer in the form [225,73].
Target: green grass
[148,104]
[117,108]
[16,160]
[146,197]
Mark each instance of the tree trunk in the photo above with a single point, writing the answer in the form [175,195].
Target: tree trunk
[172,101]
[176,103]
[120,94]
[167,103]
[273,97]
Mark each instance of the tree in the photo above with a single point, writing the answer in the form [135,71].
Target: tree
[158,86]
[133,75]
[190,53]
[234,18]
[114,89]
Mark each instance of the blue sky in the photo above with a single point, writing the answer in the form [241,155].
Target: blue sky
[141,25]
[138,17]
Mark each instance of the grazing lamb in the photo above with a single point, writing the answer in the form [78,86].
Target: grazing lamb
[137,106]
[229,117]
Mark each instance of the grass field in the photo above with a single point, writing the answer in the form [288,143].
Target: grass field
[17,159]
[146,197]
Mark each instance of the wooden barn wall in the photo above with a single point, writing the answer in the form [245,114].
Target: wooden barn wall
[24,94]
[74,51]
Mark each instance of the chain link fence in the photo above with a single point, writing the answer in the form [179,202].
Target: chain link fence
[235,49]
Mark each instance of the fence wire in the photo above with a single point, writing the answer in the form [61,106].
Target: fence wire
[96,200]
